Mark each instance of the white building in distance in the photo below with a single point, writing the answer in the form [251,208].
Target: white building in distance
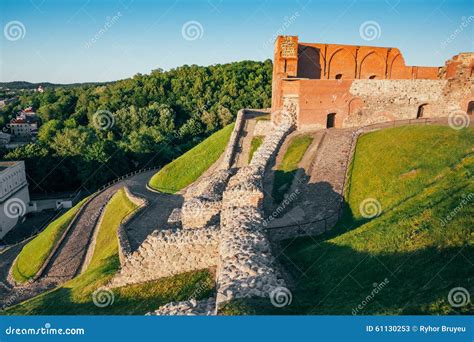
[14,196]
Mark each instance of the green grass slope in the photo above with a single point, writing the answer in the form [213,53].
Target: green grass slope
[191,165]
[254,145]
[76,296]
[286,170]
[408,258]
[34,253]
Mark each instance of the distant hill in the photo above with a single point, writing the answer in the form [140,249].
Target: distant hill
[29,85]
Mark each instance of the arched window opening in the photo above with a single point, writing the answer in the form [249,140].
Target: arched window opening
[421,110]
[331,120]
[470,108]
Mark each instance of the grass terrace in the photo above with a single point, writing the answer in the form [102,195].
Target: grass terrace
[76,296]
[287,168]
[416,183]
[34,253]
[254,145]
[187,168]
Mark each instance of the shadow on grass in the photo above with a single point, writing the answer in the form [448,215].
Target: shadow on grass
[412,283]
[281,184]
[92,299]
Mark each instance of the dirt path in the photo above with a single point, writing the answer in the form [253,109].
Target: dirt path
[301,177]
[320,179]
[245,141]
[68,260]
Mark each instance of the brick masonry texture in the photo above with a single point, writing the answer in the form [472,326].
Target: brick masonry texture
[359,85]
[221,221]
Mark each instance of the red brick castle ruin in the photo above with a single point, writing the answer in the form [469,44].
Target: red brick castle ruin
[347,85]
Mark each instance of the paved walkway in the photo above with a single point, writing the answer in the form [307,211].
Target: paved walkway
[68,260]
[155,215]
[245,141]
[320,182]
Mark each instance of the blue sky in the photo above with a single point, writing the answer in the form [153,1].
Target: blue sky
[90,40]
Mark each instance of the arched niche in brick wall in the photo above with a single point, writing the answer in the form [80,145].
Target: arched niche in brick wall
[372,66]
[355,106]
[467,104]
[309,65]
[398,70]
[342,62]
[470,108]
[331,120]
[421,110]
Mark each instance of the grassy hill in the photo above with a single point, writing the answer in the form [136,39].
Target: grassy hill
[34,253]
[286,170]
[191,165]
[76,296]
[256,142]
[406,259]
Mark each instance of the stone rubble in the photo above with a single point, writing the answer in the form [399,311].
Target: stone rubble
[204,205]
[219,224]
[389,100]
[169,252]
[246,265]
[190,307]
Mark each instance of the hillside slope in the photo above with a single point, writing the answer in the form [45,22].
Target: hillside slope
[416,182]
[84,294]
[35,252]
[185,169]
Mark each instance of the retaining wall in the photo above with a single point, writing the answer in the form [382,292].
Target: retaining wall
[169,252]
[246,266]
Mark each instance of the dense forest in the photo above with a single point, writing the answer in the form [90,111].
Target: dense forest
[91,134]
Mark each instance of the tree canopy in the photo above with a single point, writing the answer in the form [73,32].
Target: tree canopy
[90,134]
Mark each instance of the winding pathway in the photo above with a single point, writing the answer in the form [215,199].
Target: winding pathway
[66,263]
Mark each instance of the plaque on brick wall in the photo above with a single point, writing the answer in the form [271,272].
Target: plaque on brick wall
[288,48]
